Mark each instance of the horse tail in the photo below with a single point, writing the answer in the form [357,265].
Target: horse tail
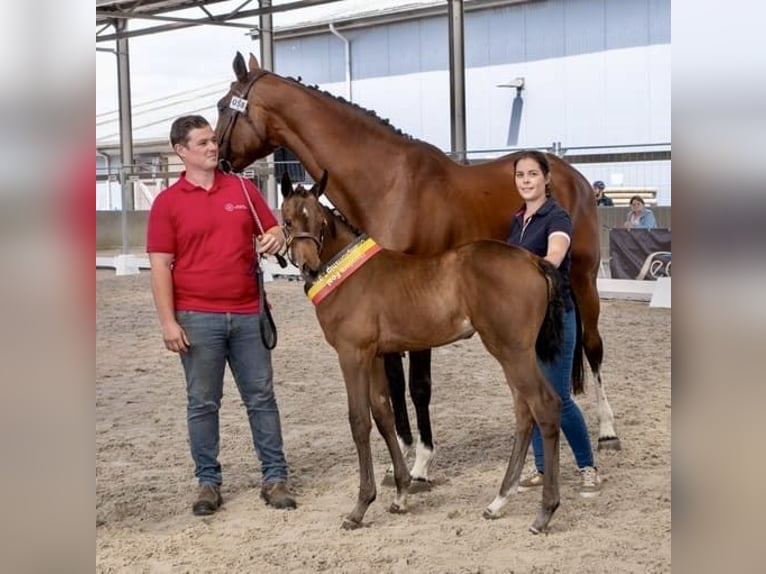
[578,365]
[550,339]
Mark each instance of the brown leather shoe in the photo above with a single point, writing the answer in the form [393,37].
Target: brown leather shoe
[208,499]
[278,495]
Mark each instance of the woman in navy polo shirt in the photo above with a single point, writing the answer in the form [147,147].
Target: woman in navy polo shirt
[544,228]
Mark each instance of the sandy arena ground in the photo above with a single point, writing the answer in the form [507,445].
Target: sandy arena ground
[145,485]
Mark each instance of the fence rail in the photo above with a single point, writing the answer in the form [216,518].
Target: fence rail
[623,168]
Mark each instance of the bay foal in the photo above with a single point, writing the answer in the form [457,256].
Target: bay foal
[370,301]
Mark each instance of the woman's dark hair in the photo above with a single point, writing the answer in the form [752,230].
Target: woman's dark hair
[637,198]
[179,131]
[541,160]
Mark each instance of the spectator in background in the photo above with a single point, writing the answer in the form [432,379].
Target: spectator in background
[639,216]
[601,198]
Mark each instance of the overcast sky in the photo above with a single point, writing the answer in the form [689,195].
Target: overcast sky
[171,62]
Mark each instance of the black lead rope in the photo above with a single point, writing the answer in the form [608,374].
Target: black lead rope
[266,321]
[267,326]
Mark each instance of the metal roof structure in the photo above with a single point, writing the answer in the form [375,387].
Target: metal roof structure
[174,14]
[151,119]
[108,12]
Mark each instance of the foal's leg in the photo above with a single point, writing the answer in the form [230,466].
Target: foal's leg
[384,420]
[588,303]
[396,388]
[546,410]
[534,401]
[420,391]
[356,374]
[524,425]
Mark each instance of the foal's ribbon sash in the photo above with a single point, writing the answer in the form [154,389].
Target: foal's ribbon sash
[342,266]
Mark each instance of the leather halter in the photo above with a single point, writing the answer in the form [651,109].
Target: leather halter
[290,237]
[234,115]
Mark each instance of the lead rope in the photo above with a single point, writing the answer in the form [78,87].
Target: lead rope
[268,327]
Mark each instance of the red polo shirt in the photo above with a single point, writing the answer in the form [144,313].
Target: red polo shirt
[210,234]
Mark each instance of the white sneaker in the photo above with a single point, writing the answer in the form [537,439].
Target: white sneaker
[533,479]
[591,482]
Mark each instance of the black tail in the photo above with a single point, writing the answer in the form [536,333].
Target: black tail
[550,339]
[578,366]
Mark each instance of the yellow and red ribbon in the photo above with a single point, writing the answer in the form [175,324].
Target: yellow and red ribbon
[342,268]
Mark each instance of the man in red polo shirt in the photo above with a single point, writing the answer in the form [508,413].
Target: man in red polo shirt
[200,247]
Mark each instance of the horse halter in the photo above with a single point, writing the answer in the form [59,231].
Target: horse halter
[290,237]
[238,105]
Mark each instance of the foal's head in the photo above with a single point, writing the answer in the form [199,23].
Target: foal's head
[305,225]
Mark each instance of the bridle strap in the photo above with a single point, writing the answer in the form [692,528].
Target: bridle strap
[224,143]
[290,237]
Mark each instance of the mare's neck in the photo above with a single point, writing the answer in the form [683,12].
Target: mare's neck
[318,127]
[360,153]
[337,237]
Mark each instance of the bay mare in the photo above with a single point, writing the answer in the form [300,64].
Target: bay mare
[371,301]
[410,197]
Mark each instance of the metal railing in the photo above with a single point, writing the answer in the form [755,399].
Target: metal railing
[621,167]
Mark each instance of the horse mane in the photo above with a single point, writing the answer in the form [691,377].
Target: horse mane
[335,218]
[369,113]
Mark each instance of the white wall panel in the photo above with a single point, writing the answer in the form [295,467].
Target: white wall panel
[659,112]
[618,97]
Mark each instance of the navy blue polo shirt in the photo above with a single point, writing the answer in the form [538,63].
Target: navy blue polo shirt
[549,219]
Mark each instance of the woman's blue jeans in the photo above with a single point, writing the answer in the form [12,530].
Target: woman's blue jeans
[215,340]
[559,375]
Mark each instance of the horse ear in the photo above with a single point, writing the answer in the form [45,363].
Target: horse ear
[253,63]
[319,190]
[287,185]
[239,67]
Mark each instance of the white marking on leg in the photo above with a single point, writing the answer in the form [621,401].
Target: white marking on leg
[405,453]
[424,456]
[603,410]
[497,505]
[401,501]
[403,447]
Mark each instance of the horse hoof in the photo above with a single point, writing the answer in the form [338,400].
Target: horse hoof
[349,524]
[490,515]
[396,509]
[388,479]
[536,530]
[419,485]
[609,443]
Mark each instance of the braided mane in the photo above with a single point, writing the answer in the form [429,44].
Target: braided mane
[381,121]
[335,215]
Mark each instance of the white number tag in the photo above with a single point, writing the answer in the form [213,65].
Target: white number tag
[238,104]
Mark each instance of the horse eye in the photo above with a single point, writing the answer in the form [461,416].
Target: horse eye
[287,223]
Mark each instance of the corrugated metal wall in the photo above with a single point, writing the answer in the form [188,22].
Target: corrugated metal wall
[597,72]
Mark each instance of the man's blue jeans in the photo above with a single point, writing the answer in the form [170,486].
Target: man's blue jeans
[559,375]
[216,339]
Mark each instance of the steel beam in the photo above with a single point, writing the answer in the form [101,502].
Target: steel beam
[267,63]
[222,19]
[457,79]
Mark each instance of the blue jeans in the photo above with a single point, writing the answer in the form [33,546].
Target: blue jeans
[559,375]
[216,339]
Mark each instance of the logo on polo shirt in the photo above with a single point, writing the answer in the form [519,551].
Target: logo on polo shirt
[234,207]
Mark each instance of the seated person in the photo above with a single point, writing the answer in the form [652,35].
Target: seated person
[639,216]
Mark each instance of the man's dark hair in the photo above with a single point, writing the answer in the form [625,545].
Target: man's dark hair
[179,131]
